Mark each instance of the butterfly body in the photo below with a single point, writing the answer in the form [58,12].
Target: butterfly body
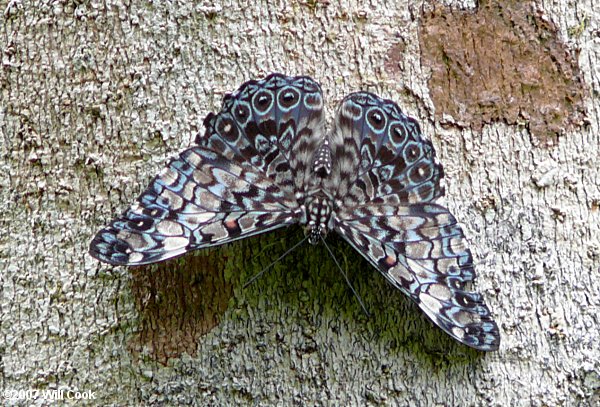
[266,162]
[318,218]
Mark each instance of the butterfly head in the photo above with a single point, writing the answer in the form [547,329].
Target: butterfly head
[315,235]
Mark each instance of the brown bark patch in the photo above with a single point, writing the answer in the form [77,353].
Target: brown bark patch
[393,60]
[178,301]
[502,62]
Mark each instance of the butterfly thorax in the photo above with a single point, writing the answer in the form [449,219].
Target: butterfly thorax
[317,217]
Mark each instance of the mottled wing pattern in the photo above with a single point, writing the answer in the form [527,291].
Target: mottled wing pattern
[245,177]
[275,125]
[201,199]
[379,156]
[386,181]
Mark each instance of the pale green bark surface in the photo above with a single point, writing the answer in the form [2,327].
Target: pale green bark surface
[96,96]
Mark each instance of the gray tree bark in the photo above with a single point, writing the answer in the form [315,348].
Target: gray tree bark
[94,98]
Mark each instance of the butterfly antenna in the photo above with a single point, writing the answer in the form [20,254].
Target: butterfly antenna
[260,273]
[346,277]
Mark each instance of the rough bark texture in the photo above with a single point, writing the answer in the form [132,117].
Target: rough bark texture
[95,96]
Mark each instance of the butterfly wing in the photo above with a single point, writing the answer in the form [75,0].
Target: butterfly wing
[275,125]
[244,177]
[380,156]
[201,199]
[387,185]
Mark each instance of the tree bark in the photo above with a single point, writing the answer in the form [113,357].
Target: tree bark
[96,96]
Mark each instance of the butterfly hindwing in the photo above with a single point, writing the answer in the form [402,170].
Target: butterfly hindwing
[275,124]
[386,182]
[244,177]
[379,155]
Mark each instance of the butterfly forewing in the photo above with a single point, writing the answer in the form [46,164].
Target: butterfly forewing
[243,178]
[200,199]
[385,181]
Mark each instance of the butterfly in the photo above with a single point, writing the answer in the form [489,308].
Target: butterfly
[266,161]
